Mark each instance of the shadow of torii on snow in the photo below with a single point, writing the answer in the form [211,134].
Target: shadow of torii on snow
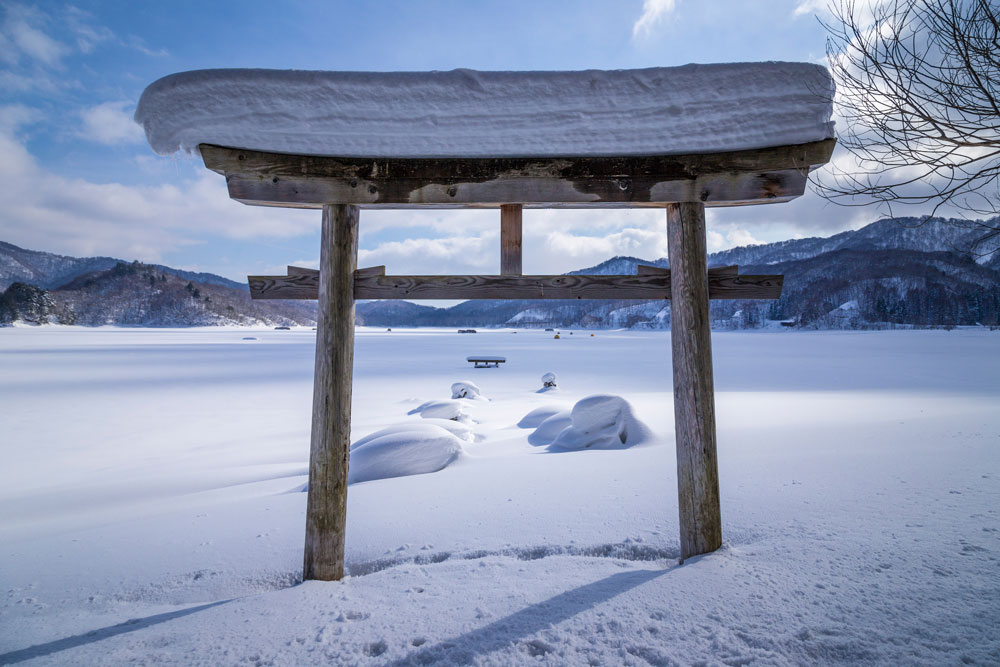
[502,633]
[40,650]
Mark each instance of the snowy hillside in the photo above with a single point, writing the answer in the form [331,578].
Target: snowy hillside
[45,269]
[935,235]
[900,274]
[151,509]
[45,288]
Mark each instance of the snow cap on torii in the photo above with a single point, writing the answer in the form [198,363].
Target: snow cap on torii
[466,113]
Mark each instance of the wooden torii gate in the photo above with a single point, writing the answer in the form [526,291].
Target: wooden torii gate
[683,185]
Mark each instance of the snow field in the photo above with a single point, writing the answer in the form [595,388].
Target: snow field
[141,481]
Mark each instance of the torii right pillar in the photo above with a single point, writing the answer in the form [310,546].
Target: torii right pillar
[694,394]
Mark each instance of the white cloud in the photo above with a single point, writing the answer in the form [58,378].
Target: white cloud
[811,7]
[468,254]
[74,216]
[23,36]
[88,35]
[467,241]
[110,123]
[741,237]
[715,241]
[15,116]
[139,45]
[580,250]
[653,13]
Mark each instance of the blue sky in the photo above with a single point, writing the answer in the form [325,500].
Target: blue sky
[79,179]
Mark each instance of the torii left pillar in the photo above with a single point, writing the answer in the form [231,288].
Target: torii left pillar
[330,450]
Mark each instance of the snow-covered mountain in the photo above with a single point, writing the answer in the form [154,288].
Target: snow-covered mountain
[45,269]
[49,271]
[39,287]
[895,270]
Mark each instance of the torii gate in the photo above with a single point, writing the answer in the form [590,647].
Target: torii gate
[682,184]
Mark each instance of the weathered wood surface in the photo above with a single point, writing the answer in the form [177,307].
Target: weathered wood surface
[694,397]
[648,270]
[510,239]
[737,177]
[655,286]
[326,505]
[366,271]
[302,271]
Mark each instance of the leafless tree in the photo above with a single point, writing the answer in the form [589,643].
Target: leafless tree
[918,102]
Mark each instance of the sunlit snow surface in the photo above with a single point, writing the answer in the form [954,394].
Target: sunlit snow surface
[155,477]
[466,113]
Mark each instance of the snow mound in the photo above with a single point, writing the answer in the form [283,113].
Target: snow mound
[430,426]
[602,421]
[406,449]
[444,409]
[466,389]
[548,383]
[550,427]
[534,418]
[465,113]
[457,429]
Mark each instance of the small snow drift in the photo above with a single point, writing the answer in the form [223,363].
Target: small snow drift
[550,427]
[457,429]
[405,449]
[534,418]
[602,421]
[465,389]
[446,409]
[430,426]
[548,383]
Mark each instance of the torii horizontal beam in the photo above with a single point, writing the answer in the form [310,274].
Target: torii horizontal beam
[723,283]
[762,175]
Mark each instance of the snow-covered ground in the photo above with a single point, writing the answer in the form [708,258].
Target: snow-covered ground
[151,507]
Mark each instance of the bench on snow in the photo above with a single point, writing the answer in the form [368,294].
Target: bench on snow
[485,362]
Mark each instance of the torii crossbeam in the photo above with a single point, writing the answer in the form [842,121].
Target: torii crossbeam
[538,154]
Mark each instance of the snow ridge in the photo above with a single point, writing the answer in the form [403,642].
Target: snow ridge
[466,113]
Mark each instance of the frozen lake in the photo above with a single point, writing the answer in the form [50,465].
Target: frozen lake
[155,476]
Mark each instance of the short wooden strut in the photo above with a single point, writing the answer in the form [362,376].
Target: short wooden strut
[694,394]
[326,506]
[510,239]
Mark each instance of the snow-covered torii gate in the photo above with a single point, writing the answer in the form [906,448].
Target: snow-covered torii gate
[678,138]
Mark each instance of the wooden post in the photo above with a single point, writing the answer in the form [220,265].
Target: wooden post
[510,239]
[326,507]
[694,398]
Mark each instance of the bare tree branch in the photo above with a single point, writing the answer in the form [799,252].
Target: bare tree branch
[918,103]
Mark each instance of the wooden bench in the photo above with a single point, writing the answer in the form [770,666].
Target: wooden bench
[485,362]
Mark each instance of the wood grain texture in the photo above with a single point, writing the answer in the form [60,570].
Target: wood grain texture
[275,179]
[302,271]
[326,505]
[694,394]
[647,270]
[653,287]
[510,239]
[366,271]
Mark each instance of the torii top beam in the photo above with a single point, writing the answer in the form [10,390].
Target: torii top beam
[719,134]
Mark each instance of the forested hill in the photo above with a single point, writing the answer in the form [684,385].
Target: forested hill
[40,288]
[891,272]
